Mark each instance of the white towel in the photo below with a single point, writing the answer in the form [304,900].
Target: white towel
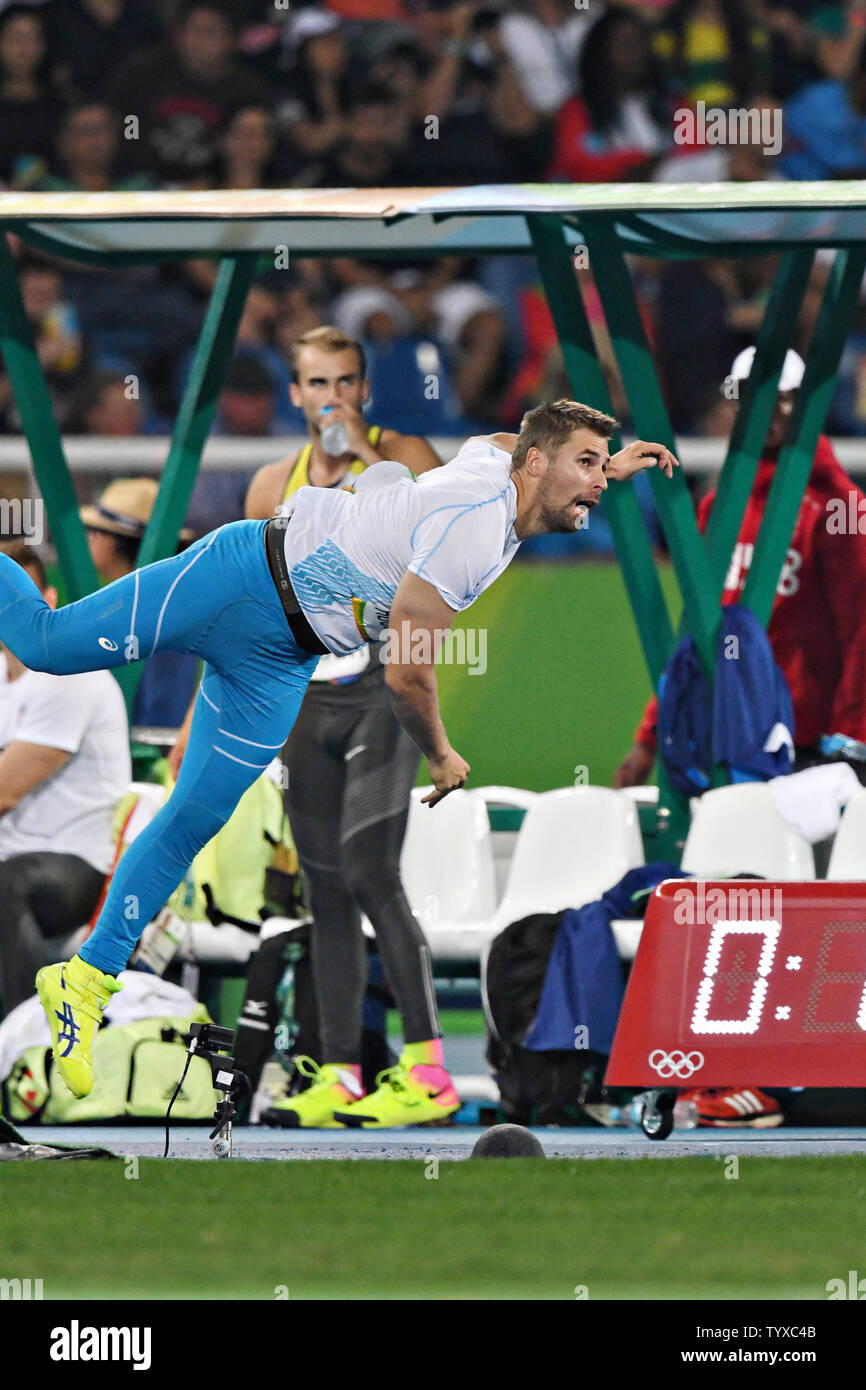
[812,801]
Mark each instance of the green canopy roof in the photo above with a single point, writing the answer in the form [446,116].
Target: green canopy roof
[655,219]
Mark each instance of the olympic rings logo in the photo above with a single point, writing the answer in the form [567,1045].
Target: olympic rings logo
[679,1064]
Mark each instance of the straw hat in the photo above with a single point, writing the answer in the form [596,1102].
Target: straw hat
[125,508]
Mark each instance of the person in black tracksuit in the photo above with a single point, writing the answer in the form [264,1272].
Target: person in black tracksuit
[351,768]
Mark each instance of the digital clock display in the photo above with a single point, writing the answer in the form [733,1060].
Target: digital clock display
[746,983]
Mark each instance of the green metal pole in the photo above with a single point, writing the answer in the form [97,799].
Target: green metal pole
[756,408]
[651,421]
[586,379]
[42,433]
[198,406]
[666,829]
[810,411]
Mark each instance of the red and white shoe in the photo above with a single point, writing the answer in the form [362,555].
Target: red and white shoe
[723,1107]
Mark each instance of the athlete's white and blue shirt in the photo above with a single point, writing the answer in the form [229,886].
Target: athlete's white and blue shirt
[347,552]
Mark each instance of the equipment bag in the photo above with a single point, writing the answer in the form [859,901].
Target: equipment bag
[136,1068]
[542,1088]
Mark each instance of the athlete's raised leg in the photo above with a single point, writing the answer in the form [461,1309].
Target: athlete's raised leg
[208,600]
[230,745]
[222,603]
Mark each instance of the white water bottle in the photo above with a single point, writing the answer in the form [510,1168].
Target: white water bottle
[334,437]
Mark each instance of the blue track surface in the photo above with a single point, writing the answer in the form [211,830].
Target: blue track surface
[453,1143]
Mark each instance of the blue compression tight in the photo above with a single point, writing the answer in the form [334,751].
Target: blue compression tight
[217,600]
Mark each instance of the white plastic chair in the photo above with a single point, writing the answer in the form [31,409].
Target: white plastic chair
[505,841]
[737,829]
[848,857]
[642,796]
[447,872]
[517,797]
[574,844]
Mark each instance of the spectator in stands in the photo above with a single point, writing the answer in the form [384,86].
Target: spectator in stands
[87,153]
[115,526]
[111,404]
[714,51]
[64,765]
[707,311]
[825,129]
[29,105]
[812,41]
[373,9]
[809,41]
[395,63]
[620,126]
[472,329]
[313,116]
[818,624]
[90,38]
[58,339]
[299,308]
[247,150]
[446,307]
[247,404]
[408,376]
[56,333]
[373,149]
[184,93]
[543,47]
[474,123]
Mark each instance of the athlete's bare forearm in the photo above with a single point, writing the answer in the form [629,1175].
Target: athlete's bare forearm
[416,703]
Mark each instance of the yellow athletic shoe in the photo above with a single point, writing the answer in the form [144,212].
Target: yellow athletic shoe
[333,1087]
[404,1095]
[73,996]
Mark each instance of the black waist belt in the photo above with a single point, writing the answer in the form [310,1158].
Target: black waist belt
[302,632]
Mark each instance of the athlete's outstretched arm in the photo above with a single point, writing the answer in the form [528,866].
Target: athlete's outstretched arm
[420,617]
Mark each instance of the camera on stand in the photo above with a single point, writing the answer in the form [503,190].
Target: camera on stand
[213,1042]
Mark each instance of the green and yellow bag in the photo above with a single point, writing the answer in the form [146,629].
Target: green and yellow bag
[136,1069]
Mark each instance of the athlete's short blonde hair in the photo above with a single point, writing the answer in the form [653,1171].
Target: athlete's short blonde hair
[326,339]
[549,425]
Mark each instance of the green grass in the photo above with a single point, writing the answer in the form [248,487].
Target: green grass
[455,1023]
[648,1229]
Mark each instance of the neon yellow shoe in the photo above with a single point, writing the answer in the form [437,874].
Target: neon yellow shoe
[333,1086]
[404,1095]
[73,996]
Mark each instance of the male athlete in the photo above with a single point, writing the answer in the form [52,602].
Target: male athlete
[353,767]
[259,601]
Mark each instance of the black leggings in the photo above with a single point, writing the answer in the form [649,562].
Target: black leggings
[351,770]
[41,895]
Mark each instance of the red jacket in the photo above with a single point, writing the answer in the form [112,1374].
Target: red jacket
[817,627]
[580,156]
[575,159]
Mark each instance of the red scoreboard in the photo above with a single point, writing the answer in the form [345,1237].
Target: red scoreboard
[746,982]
